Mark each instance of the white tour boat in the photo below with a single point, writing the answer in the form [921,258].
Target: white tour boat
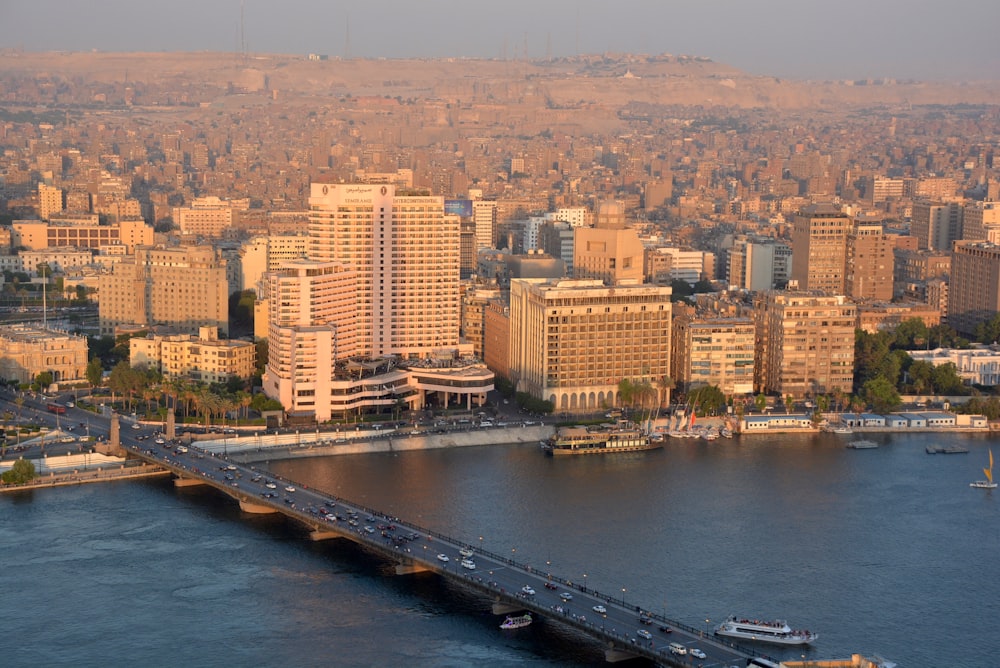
[517,622]
[775,632]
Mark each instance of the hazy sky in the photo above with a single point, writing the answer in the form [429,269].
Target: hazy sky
[920,39]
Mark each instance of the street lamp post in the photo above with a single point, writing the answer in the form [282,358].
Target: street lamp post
[623,597]
[584,582]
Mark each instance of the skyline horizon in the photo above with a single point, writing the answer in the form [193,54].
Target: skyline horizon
[892,40]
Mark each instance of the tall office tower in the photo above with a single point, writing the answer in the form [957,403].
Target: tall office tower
[981,222]
[758,264]
[805,343]
[819,248]
[484,213]
[974,293]
[869,269]
[573,341]
[50,201]
[404,253]
[312,325]
[936,225]
[184,288]
[609,251]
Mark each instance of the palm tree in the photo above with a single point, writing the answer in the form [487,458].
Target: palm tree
[665,383]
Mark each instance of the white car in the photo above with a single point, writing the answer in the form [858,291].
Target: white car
[136,425]
[469,563]
[443,558]
[289,489]
[566,596]
[600,609]
[697,653]
[528,590]
[643,633]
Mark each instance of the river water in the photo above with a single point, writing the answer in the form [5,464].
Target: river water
[885,551]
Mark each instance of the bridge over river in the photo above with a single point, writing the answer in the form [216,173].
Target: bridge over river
[625,630]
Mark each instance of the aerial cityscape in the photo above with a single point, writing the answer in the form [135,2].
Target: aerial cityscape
[224,265]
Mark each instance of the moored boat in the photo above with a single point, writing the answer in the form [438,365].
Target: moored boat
[862,444]
[946,450]
[516,622]
[775,632]
[581,440]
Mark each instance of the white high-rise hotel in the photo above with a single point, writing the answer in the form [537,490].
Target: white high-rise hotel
[405,257]
[381,281]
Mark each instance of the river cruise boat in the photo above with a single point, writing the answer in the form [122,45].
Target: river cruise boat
[759,630]
[581,440]
[516,622]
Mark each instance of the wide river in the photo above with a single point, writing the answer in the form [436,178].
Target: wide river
[883,551]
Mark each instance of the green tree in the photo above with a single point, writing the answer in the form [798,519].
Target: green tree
[94,372]
[947,381]
[708,400]
[43,380]
[988,331]
[910,334]
[881,394]
[921,375]
[789,403]
[870,353]
[760,402]
[23,471]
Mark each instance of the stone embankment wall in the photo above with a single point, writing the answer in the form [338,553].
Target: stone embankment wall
[395,443]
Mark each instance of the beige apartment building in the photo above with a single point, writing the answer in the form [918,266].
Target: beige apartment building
[268,253]
[88,233]
[936,224]
[974,291]
[869,268]
[405,256]
[886,316]
[805,343]
[713,351]
[28,350]
[204,357]
[184,288]
[573,341]
[609,251]
[819,248]
[496,338]
[474,303]
[207,217]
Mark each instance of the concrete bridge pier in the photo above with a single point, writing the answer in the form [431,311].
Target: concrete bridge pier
[187,482]
[256,508]
[317,535]
[614,655]
[500,608]
[410,567]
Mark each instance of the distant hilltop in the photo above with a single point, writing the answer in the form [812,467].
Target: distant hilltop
[604,81]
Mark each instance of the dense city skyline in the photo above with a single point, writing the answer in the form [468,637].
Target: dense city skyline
[854,40]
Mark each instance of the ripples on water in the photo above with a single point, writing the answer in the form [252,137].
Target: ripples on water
[886,551]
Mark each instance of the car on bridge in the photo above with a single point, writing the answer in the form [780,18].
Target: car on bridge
[697,653]
[528,590]
[643,633]
[600,609]
[443,558]
[566,596]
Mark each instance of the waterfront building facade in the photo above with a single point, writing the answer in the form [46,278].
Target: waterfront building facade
[713,351]
[805,343]
[573,341]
